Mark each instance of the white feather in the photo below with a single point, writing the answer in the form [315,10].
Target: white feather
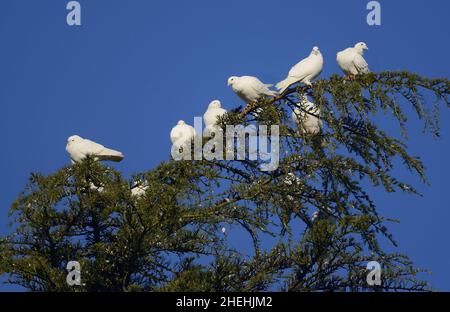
[182,133]
[351,60]
[139,190]
[79,148]
[212,113]
[304,71]
[249,88]
[306,116]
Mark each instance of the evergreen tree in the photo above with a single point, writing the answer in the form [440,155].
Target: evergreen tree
[171,238]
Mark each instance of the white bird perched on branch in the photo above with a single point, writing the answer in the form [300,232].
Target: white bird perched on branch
[182,134]
[79,148]
[212,113]
[139,189]
[304,71]
[249,88]
[306,116]
[351,60]
[93,187]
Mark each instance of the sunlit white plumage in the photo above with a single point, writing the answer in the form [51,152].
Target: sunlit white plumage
[305,117]
[139,189]
[214,111]
[291,180]
[351,60]
[182,133]
[79,148]
[249,88]
[304,71]
[93,187]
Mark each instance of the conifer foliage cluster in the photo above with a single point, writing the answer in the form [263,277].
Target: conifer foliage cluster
[176,236]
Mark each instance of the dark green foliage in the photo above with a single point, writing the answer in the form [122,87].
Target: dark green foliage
[161,241]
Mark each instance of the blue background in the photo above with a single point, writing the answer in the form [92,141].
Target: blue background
[134,68]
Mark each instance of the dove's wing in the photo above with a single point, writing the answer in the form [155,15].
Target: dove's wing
[301,69]
[211,115]
[360,63]
[139,190]
[259,87]
[298,72]
[176,134]
[89,147]
[254,82]
[345,60]
[182,133]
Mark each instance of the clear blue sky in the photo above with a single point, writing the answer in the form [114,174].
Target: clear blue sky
[134,68]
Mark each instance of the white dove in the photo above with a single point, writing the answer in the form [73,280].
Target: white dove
[212,113]
[139,189]
[291,180]
[79,148]
[93,187]
[249,88]
[182,133]
[351,60]
[304,71]
[307,123]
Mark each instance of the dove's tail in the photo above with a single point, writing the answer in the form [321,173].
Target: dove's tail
[272,93]
[110,154]
[283,85]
